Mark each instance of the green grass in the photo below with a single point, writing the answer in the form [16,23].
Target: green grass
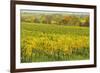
[49,42]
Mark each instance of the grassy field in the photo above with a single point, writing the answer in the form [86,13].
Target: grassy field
[44,42]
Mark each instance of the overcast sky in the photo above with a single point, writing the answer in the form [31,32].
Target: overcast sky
[53,12]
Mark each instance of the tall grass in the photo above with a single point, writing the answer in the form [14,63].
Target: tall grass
[43,42]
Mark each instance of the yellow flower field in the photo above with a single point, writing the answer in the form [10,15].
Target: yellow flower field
[42,42]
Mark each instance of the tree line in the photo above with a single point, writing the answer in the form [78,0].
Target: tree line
[58,19]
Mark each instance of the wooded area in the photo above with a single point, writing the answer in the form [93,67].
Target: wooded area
[59,19]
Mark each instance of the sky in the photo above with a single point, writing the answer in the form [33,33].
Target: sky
[53,12]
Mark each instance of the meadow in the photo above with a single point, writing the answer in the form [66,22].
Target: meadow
[42,42]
